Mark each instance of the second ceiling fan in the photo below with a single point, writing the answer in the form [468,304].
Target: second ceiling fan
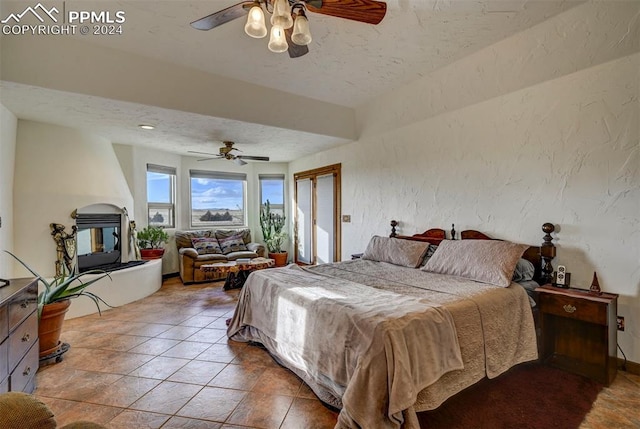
[290,27]
[225,153]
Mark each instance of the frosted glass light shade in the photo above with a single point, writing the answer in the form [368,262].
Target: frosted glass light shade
[282,14]
[255,26]
[277,41]
[301,34]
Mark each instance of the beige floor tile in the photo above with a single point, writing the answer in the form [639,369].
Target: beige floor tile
[186,349]
[212,403]
[159,367]
[261,410]
[130,419]
[167,398]
[197,372]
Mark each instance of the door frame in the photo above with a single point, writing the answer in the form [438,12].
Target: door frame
[313,174]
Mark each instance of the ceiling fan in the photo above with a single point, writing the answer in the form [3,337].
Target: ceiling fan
[225,153]
[290,27]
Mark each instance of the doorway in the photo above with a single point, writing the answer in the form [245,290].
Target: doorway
[317,232]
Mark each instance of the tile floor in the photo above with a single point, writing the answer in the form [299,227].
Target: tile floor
[165,362]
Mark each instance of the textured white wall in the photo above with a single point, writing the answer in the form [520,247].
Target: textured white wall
[8,129]
[57,170]
[469,145]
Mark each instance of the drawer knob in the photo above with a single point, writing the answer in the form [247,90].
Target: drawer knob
[569,308]
[25,304]
[27,371]
[26,338]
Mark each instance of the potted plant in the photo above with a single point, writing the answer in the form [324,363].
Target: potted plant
[54,301]
[272,225]
[151,241]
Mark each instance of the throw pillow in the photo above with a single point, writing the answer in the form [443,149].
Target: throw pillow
[396,251]
[231,244]
[485,261]
[206,246]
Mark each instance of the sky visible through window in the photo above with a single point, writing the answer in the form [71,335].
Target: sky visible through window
[212,193]
[158,187]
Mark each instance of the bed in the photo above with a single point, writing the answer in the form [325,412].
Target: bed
[410,324]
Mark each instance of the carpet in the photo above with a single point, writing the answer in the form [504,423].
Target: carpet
[528,396]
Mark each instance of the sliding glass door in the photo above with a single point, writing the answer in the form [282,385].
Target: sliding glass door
[317,223]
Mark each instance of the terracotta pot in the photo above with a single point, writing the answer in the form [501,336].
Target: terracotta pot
[151,253]
[50,326]
[280,258]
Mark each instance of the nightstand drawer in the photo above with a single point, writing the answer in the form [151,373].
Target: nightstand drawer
[574,308]
[21,378]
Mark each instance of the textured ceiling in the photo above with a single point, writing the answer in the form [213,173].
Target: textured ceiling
[349,63]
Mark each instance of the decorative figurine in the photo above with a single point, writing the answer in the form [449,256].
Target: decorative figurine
[65,247]
[595,285]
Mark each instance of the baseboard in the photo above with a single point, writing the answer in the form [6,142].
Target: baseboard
[631,367]
[169,275]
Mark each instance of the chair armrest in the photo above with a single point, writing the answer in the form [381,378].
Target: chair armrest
[256,247]
[189,251]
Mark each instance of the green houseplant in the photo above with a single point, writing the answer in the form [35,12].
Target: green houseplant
[54,301]
[272,225]
[151,241]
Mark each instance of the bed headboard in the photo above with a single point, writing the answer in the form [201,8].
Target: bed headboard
[540,256]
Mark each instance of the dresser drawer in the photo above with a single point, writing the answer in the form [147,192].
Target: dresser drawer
[22,305]
[25,371]
[4,359]
[4,384]
[574,308]
[4,323]
[22,339]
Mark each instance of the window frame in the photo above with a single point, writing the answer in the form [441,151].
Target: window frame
[171,206]
[281,177]
[218,175]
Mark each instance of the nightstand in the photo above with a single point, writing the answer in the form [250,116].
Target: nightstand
[579,331]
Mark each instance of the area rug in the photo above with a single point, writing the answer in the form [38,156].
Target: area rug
[529,396]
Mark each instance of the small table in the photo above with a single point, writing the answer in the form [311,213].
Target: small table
[237,272]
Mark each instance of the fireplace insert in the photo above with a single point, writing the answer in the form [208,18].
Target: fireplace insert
[98,240]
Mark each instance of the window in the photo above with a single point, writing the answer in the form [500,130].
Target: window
[272,189]
[161,195]
[217,198]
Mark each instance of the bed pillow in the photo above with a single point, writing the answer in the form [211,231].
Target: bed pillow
[485,261]
[396,251]
[524,271]
[233,243]
[206,245]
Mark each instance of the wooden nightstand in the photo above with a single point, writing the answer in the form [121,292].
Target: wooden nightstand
[579,331]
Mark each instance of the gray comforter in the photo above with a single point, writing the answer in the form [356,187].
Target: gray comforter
[371,338]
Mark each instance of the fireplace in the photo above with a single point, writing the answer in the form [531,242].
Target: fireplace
[98,240]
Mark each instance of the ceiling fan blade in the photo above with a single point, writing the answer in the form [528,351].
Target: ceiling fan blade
[254,158]
[203,153]
[295,51]
[209,159]
[369,11]
[222,16]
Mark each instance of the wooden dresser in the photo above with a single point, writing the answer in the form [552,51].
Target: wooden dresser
[19,336]
[579,331]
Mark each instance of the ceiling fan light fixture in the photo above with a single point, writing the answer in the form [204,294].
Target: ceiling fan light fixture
[255,26]
[277,41]
[282,14]
[301,34]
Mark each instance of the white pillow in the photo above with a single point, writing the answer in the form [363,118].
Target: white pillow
[397,251]
[485,261]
